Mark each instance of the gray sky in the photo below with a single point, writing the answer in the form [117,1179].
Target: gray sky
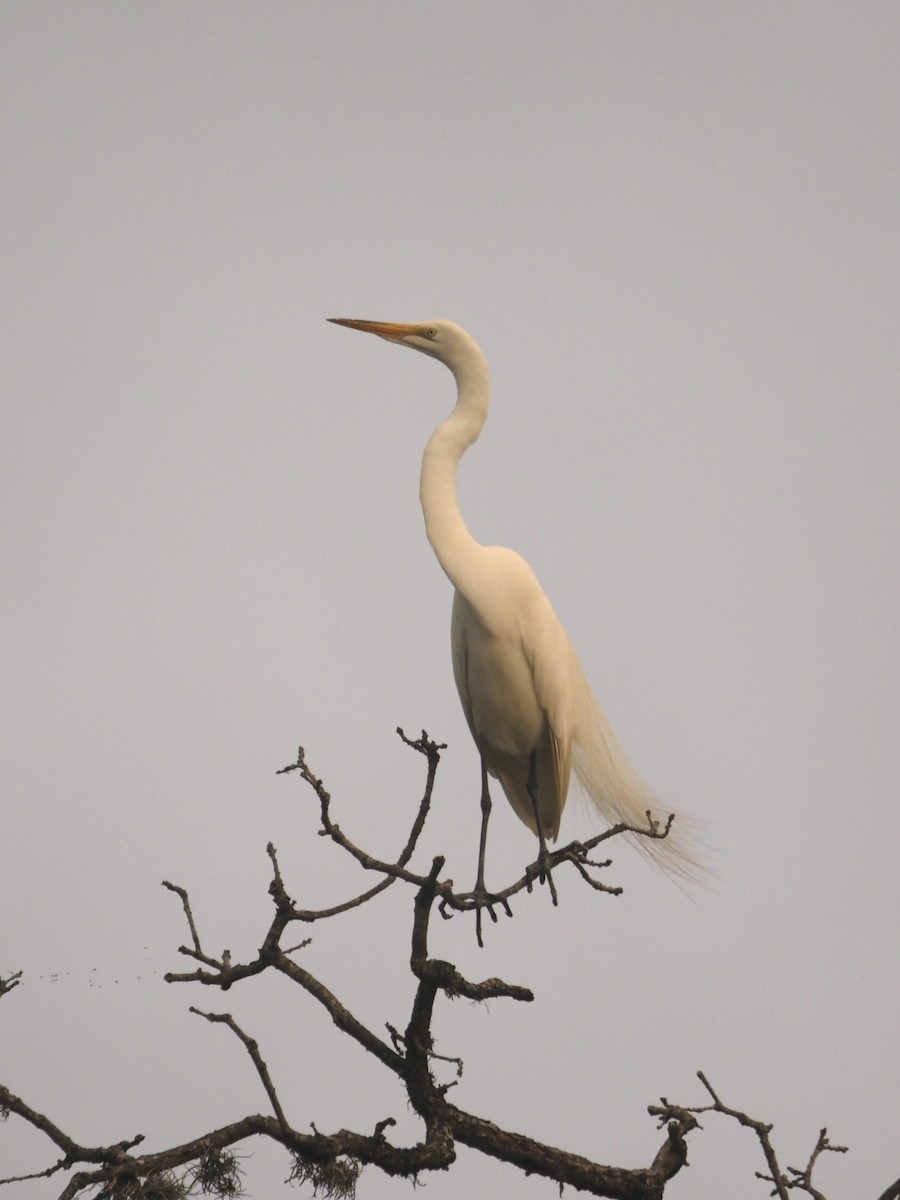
[673,229]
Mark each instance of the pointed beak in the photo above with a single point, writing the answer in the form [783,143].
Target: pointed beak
[384,329]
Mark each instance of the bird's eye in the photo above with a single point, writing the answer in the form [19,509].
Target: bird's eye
[431,332]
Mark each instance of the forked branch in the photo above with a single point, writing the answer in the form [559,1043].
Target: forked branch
[782,1183]
[331,1162]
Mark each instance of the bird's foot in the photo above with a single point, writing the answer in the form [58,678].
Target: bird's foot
[542,871]
[483,900]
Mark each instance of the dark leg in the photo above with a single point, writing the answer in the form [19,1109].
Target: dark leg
[482,897]
[543,852]
[485,817]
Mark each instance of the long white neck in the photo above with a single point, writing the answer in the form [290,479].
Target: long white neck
[450,539]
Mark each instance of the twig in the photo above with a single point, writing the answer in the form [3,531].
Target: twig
[253,1050]
[761,1130]
[197,951]
[9,982]
[803,1178]
[391,871]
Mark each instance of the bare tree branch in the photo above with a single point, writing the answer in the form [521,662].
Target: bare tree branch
[256,1058]
[9,982]
[577,853]
[782,1183]
[802,1179]
[762,1132]
[331,1162]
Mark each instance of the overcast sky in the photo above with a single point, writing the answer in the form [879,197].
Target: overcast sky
[673,228]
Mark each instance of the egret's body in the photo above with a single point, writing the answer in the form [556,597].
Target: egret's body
[528,705]
[512,705]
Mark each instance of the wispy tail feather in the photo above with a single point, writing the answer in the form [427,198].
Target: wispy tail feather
[621,796]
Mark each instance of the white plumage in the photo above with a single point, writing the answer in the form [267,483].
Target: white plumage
[528,705]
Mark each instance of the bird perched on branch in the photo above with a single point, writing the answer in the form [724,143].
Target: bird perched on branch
[527,702]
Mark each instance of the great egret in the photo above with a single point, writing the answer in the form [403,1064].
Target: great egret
[527,702]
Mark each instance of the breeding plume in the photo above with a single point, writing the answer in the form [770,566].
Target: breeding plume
[528,704]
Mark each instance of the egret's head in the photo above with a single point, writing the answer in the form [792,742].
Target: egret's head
[442,340]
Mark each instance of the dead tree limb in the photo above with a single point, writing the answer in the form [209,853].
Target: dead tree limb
[331,1162]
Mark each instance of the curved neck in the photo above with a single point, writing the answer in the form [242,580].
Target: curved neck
[446,530]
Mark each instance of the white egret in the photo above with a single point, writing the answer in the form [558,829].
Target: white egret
[527,702]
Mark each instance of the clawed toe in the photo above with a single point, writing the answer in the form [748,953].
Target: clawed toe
[483,900]
[542,870]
